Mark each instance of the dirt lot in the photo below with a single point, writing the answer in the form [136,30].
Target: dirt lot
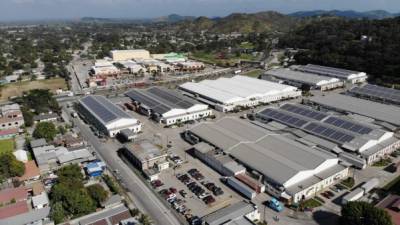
[16,89]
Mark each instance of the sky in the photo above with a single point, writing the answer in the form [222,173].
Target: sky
[75,9]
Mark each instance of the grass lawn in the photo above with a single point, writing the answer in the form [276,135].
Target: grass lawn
[382,162]
[311,203]
[349,182]
[6,146]
[211,58]
[16,89]
[254,73]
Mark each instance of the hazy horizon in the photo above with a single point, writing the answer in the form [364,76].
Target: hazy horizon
[25,10]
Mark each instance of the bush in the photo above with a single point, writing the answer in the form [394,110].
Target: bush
[111,184]
[97,193]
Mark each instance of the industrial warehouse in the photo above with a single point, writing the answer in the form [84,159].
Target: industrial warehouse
[377,93]
[289,169]
[299,79]
[228,94]
[349,76]
[347,104]
[366,140]
[107,117]
[122,55]
[167,106]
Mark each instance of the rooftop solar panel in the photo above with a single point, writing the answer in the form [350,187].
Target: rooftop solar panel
[329,133]
[283,117]
[103,109]
[348,125]
[304,111]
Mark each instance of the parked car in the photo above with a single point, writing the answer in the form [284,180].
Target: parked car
[156,183]
[172,189]
[183,193]
[209,199]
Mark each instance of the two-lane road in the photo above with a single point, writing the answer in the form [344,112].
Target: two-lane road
[143,198]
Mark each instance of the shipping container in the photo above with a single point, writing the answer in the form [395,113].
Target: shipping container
[241,188]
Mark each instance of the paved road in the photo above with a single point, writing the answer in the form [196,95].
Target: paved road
[143,198]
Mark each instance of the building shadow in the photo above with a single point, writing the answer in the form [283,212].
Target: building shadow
[326,218]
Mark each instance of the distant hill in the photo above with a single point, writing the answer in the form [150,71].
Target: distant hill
[375,14]
[173,18]
[241,22]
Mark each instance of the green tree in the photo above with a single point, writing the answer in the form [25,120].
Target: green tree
[97,193]
[363,213]
[46,130]
[145,219]
[10,166]
[57,213]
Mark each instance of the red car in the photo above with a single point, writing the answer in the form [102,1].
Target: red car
[157,183]
[173,190]
[209,199]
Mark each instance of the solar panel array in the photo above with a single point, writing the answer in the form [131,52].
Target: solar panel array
[103,108]
[160,100]
[303,111]
[148,101]
[172,97]
[327,132]
[328,71]
[283,117]
[348,125]
[383,93]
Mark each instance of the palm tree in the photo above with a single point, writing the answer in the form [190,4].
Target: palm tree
[145,219]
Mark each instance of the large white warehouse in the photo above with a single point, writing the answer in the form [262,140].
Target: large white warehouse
[107,117]
[289,169]
[121,55]
[227,94]
[168,106]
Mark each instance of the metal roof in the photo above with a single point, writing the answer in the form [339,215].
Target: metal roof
[377,92]
[229,213]
[104,110]
[301,77]
[27,218]
[161,100]
[328,71]
[276,156]
[235,89]
[378,111]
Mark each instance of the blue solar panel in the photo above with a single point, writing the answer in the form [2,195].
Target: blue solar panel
[304,111]
[378,92]
[348,125]
[322,130]
[103,109]
[282,117]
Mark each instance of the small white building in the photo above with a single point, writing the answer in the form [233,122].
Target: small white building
[107,117]
[104,67]
[40,201]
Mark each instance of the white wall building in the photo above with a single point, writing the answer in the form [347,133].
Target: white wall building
[103,67]
[227,94]
[107,117]
[168,106]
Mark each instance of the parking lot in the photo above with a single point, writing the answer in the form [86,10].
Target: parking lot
[197,194]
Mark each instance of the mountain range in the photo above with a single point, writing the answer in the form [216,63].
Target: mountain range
[350,14]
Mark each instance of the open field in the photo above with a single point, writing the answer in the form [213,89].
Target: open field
[16,89]
[254,73]
[211,58]
[6,146]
